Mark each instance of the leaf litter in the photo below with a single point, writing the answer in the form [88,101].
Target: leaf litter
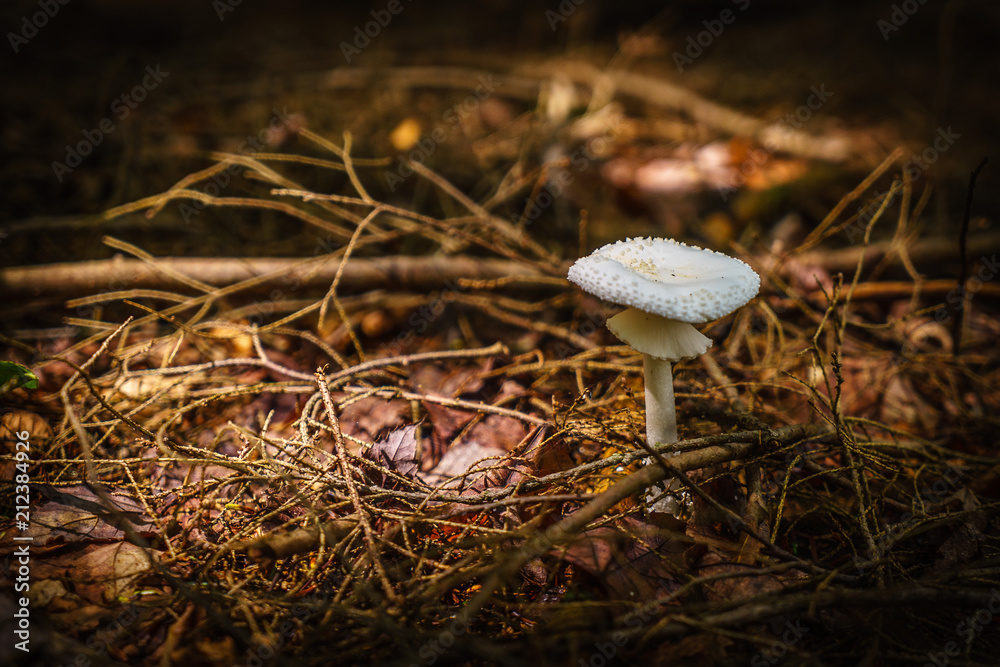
[359,492]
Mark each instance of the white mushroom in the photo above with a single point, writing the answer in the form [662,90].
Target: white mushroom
[668,286]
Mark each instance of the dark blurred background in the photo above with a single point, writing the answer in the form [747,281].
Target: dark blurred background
[229,64]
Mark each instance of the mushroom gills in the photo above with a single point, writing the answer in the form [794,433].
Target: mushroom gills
[658,336]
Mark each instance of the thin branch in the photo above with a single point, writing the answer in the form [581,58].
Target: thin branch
[417,273]
[961,307]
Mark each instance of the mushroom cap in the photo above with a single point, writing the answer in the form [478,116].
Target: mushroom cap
[667,278]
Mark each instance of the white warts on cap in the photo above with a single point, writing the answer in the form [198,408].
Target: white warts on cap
[667,278]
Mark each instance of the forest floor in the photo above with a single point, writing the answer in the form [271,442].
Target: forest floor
[310,382]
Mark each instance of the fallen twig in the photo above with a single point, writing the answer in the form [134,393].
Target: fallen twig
[417,273]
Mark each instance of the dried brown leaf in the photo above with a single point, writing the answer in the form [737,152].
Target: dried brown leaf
[106,573]
[468,460]
[397,452]
[498,432]
[76,513]
[631,561]
[436,380]
[372,417]
[737,587]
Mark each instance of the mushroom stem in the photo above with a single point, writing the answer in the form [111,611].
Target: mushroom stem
[661,427]
[661,415]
